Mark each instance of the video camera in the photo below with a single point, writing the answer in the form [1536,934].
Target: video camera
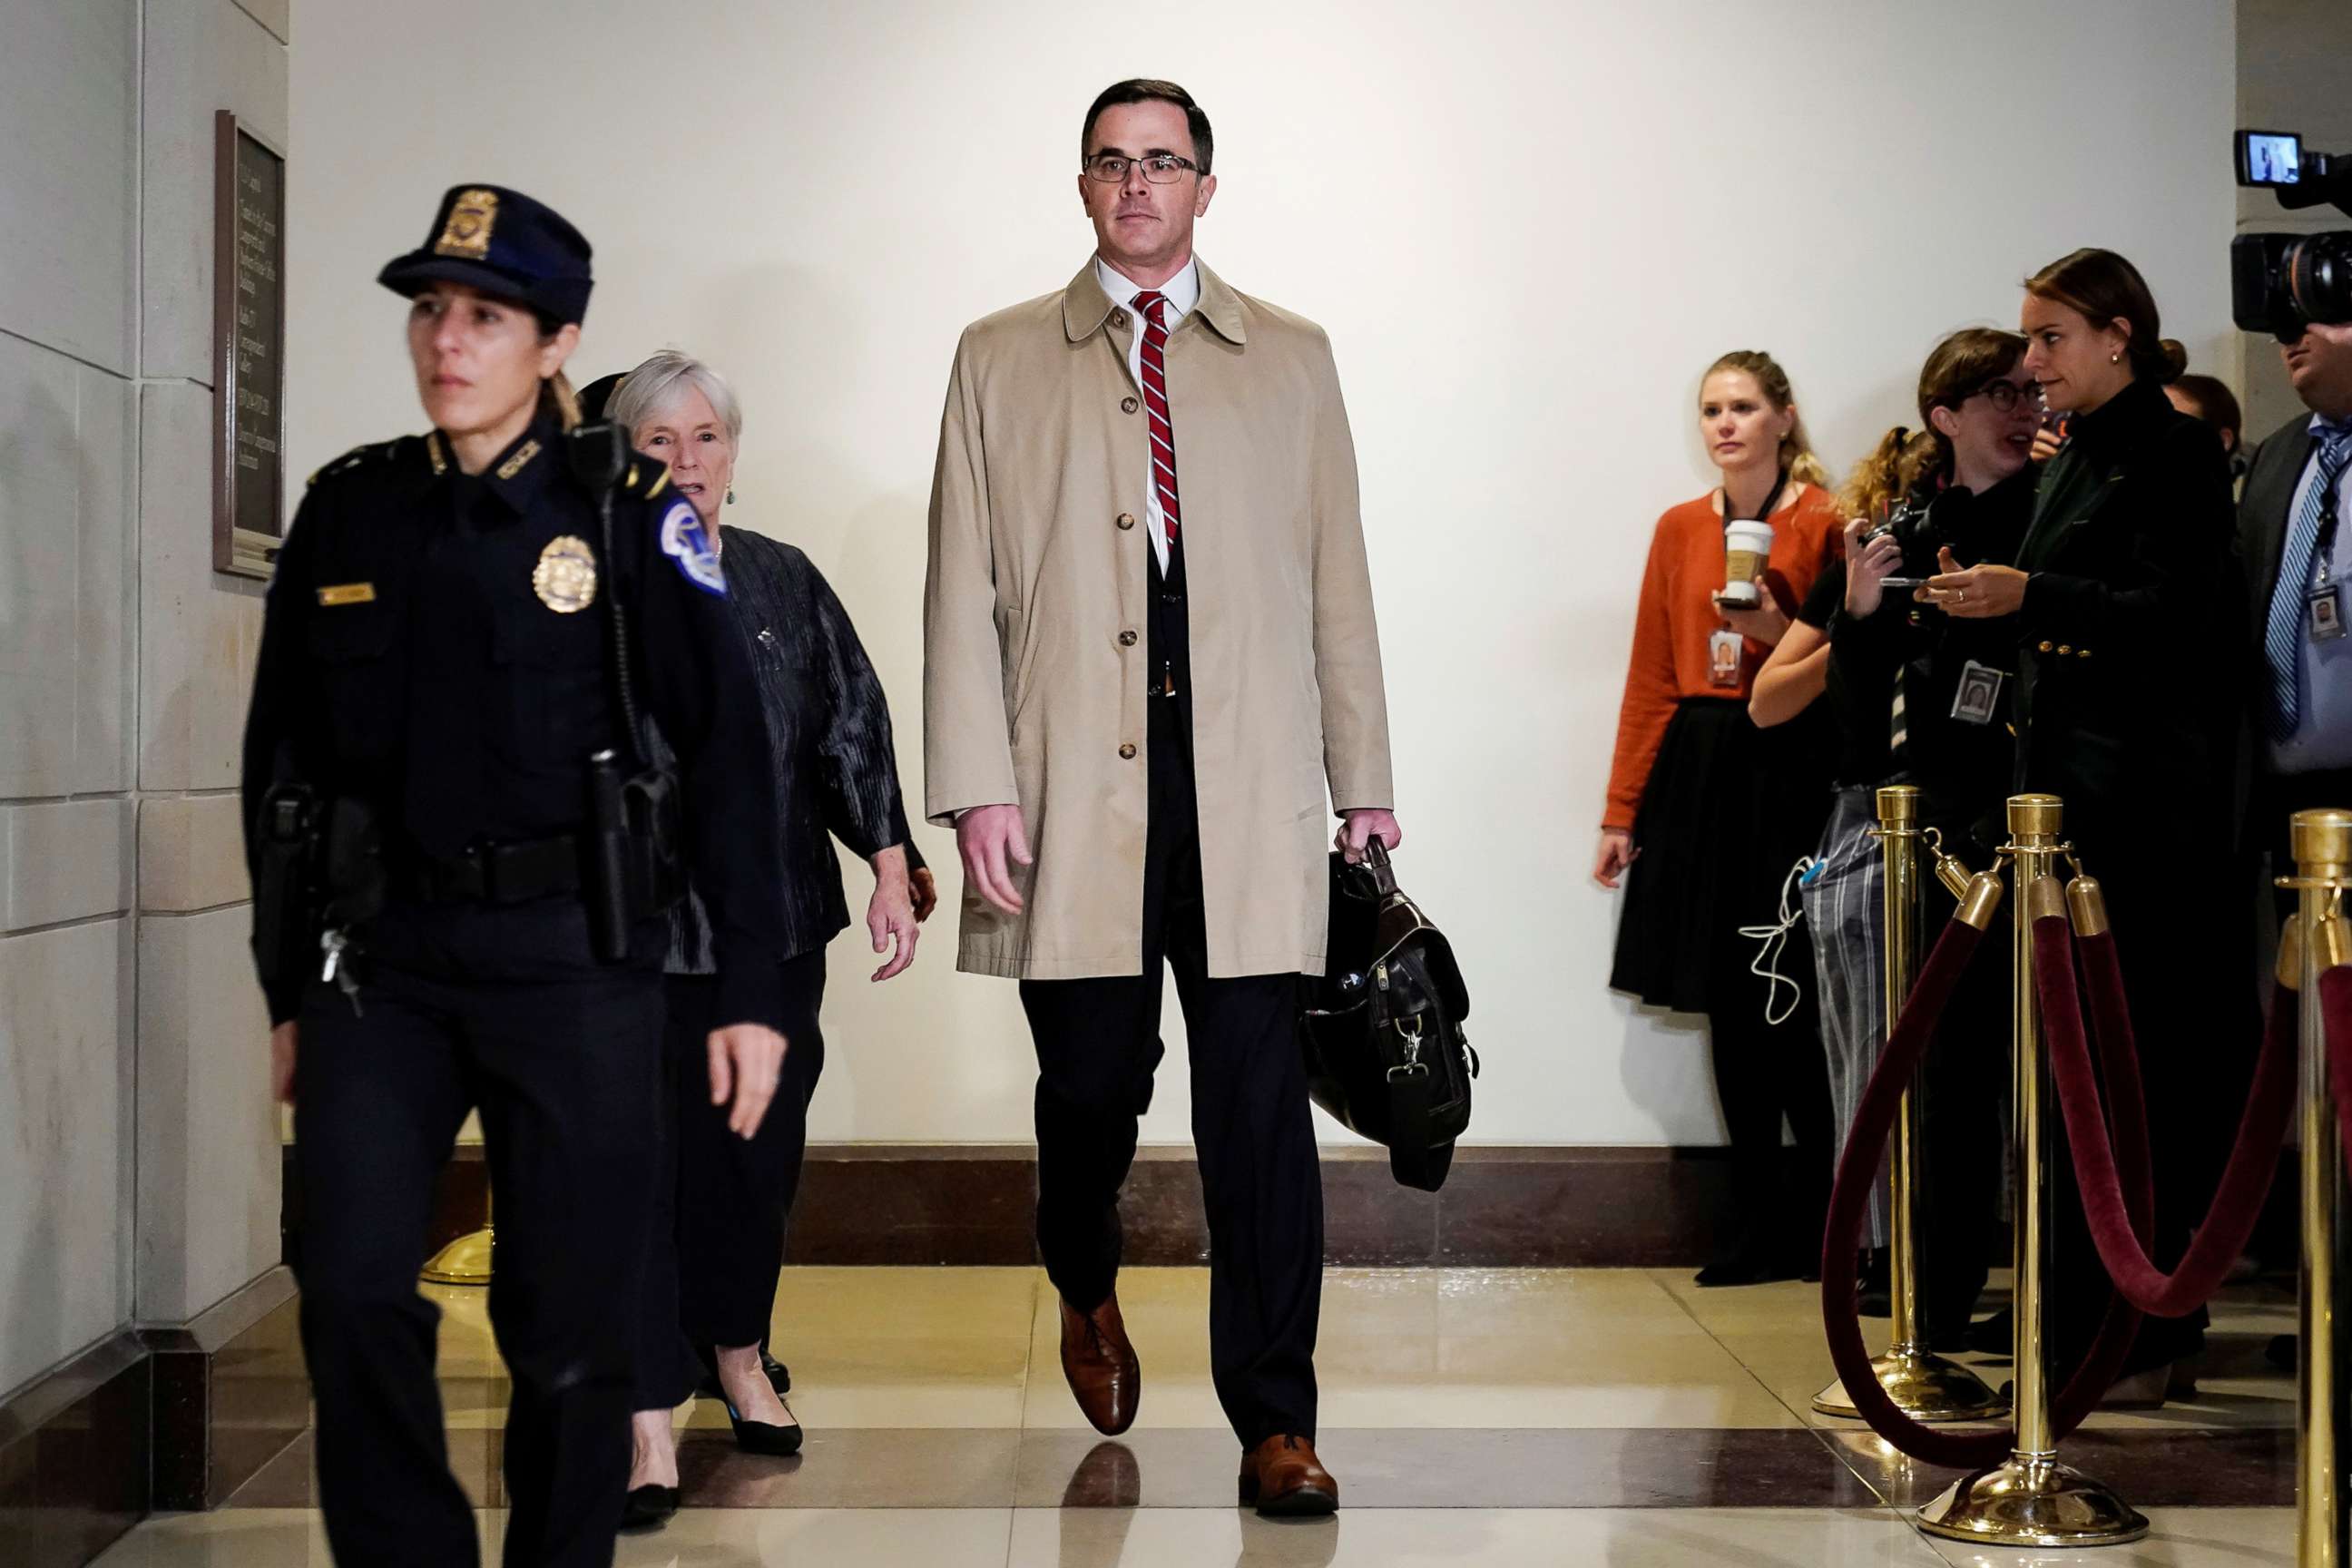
[2279,283]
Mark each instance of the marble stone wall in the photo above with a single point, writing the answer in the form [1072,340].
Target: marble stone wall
[138,1149]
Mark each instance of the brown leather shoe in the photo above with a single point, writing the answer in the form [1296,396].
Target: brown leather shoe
[1100,1365]
[1285,1478]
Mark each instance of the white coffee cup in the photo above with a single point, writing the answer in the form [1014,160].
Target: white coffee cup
[1747,546]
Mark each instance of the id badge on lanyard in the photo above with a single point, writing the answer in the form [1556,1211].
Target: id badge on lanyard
[2323,603]
[1727,651]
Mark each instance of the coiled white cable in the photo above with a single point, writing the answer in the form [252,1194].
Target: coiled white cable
[1775,939]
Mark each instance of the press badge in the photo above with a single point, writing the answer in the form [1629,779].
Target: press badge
[2325,604]
[1725,651]
[1978,701]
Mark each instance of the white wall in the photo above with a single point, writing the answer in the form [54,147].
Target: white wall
[1528,228]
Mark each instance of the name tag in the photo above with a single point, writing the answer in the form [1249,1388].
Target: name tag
[1978,701]
[1725,653]
[2325,606]
[347,594]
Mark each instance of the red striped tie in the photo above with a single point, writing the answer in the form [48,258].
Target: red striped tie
[1153,307]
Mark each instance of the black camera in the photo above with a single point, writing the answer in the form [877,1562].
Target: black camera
[2279,283]
[1907,526]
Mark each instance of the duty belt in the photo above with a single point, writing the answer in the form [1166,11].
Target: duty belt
[513,872]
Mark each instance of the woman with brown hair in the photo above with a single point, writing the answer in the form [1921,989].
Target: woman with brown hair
[1916,699]
[2126,707]
[1718,812]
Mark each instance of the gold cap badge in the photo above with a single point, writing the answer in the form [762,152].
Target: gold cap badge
[467,232]
[565,577]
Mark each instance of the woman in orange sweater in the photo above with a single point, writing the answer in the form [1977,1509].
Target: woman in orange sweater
[1717,812]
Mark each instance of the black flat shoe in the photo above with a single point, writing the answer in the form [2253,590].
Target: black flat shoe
[648,1508]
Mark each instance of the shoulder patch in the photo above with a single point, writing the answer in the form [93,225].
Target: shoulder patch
[685,541]
[360,458]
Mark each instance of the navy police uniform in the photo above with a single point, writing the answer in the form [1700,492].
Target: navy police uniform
[436,647]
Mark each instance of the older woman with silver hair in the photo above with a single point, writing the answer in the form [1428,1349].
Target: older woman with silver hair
[723,1201]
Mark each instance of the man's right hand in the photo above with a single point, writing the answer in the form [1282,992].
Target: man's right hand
[992,838]
[282,1060]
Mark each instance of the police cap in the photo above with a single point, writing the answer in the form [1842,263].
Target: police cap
[504,244]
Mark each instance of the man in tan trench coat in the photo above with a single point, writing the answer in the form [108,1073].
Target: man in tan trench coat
[1149,644]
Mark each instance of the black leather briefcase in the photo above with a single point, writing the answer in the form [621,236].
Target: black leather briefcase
[1385,1050]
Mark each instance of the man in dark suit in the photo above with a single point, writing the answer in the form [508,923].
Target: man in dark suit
[2297,556]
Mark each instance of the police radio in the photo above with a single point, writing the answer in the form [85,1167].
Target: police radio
[633,865]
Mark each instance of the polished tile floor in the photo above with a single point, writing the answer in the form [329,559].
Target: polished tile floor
[1615,1417]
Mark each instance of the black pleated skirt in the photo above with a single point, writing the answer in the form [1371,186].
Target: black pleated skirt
[1728,812]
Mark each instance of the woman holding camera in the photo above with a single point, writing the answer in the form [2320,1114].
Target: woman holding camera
[1718,812]
[2125,707]
[1918,699]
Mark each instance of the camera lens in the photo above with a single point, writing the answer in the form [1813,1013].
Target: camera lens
[2317,271]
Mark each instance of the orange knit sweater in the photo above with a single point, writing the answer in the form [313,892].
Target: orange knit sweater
[1677,617]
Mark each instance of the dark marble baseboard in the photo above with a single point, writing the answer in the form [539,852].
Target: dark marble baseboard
[73,1458]
[231,1394]
[970,1204]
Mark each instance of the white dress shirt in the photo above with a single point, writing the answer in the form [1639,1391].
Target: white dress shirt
[1183,292]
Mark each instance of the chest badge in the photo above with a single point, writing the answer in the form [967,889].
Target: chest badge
[565,577]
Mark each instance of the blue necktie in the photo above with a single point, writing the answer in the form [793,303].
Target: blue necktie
[2283,636]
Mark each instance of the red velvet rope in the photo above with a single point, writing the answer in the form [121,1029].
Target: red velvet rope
[1857,1172]
[2254,1161]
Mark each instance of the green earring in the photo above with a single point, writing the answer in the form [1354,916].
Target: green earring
[730,495]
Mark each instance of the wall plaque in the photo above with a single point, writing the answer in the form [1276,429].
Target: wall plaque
[248,349]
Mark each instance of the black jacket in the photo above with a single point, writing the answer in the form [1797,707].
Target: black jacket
[1963,768]
[2128,692]
[837,772]
[423,652]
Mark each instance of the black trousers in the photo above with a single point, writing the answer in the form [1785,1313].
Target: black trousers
[1765,1075]
[720,1203]
[562,1074]
[1098,1044]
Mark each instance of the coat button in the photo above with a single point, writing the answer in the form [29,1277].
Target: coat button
[1126,750]
[2065,650]
[2046,646]
[1127,520]
[1126,639]
[1118,318]
[2081,652]
[1128,405]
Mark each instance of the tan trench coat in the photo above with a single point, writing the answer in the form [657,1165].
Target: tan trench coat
[1039,562]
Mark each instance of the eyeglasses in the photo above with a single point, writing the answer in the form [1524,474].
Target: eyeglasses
[1160,168]
[2004,396]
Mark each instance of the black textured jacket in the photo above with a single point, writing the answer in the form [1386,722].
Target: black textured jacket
[2129,651]
[1963,770]
[837,773]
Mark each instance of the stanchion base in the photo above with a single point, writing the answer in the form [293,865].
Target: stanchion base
[2032,1502]
[1924,1386]
[465,1261]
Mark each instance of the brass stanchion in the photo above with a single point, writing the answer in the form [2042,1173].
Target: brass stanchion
[2321,841]
[1924,1386]
[466,1260]
[2031,1498]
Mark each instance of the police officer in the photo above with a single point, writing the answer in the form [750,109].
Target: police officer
[460,632]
